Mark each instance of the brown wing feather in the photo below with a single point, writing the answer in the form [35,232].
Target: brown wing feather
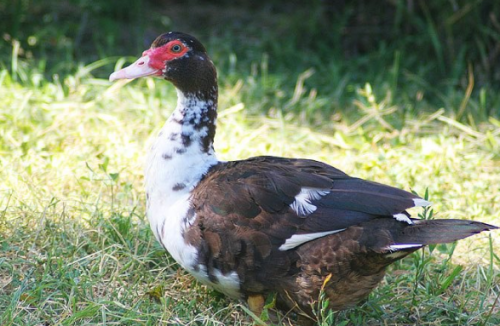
[244,216]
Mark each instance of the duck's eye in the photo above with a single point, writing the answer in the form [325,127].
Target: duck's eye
[176,48]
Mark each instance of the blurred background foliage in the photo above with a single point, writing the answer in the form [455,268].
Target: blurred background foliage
[423,53]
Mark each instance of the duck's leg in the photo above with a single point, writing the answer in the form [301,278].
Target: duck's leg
[256,303]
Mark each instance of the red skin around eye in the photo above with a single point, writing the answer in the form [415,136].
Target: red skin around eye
[158,56]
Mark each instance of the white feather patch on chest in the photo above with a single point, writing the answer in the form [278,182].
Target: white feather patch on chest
[186,255]
[299,239]
[167,220]
[176,164]
[174,168]
[302,204]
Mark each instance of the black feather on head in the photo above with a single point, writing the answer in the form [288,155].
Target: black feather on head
[187,39]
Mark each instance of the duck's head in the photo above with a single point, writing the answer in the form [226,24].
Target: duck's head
[179,58]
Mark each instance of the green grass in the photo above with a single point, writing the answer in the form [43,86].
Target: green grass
[75,246]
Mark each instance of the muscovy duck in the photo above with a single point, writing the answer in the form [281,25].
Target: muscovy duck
[293,227]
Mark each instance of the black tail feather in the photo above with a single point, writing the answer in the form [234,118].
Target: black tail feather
[428,232]
[388,234]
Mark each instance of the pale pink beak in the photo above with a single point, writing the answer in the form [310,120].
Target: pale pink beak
[140,68]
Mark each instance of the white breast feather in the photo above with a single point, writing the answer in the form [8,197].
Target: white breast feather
[168,209]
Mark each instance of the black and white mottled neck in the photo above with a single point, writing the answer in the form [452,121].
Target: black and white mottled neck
[181,155]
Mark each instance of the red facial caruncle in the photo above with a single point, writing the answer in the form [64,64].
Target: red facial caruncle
[152,62]
[158,56]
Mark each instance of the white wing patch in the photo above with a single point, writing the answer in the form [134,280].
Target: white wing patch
[395,254]
[298,239]
[302,204]
[419,202]
[403,218]
[395,247]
